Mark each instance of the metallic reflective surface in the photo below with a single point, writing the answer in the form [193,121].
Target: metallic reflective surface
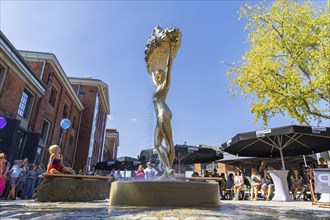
[161,49]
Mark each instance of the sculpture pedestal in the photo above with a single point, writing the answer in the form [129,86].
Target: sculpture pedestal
[281,185]
[164,193]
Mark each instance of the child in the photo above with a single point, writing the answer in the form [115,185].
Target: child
[55,165]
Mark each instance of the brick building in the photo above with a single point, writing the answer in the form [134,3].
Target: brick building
[36,95]
[20,94]
[59,101]
[94,95]
[111,144]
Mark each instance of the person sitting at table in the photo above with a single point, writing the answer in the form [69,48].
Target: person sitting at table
[322,163]
[267,183]
[194,174]
[297,184]
[216,175]
[229,186]
[255,182]
[238,183]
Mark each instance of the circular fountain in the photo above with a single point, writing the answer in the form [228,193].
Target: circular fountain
[161,49]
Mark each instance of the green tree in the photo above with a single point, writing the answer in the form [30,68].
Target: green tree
[287,68]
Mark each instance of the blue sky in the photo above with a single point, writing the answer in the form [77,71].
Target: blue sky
[106,40]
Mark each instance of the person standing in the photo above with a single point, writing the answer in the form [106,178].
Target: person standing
[29,184]
[139,174]
[150,172]
[2,171]
[15,171]
[322,163]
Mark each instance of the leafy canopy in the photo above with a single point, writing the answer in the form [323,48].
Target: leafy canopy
[287,68]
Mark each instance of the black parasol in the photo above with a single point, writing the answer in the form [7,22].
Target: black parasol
[290,140]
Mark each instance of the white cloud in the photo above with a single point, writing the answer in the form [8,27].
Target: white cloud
[133,119]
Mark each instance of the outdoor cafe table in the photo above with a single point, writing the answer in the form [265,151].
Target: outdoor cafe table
[281,185]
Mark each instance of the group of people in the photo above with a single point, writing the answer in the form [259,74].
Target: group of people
[148,173]
[20,179]
[237,184]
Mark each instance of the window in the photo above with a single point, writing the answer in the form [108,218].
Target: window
[44,131]
[39,151]
[65,110]
[82,93]
[52,98]
[50,76]
[23,107]
[2,76]
[74,121]
[71,141]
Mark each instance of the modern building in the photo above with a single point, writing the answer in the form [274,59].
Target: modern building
[94,95]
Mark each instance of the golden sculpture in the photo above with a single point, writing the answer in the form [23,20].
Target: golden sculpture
[161,44]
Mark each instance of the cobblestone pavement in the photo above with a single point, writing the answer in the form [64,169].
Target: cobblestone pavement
[29,209]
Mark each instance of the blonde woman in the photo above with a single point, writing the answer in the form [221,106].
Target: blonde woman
[2,176]
[297,184]
[55,165]
[139,174]
[255,184]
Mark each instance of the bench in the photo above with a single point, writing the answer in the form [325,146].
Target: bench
[48,176]
[218,179]
[72,188]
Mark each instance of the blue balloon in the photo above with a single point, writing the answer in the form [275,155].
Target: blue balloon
[65,123]
[3,122]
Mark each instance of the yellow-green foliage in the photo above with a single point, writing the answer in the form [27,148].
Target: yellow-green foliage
[287,68]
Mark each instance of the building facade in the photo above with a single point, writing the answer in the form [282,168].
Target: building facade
[111,144]
[94,95]
[20,94]
[36,95]
[59,102]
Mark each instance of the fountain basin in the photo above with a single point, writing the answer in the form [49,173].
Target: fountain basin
[164,193]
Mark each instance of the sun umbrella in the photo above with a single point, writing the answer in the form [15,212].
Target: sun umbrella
[290,140]
[128,163]
[107,165]
[185,154]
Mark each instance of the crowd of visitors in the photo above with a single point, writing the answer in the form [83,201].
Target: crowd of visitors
[19,180]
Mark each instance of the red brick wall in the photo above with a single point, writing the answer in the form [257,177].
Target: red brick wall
[54,113]
[11,94]
[88,100]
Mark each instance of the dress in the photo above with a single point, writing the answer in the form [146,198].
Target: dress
[57,164]
[2,178]
[139,175]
